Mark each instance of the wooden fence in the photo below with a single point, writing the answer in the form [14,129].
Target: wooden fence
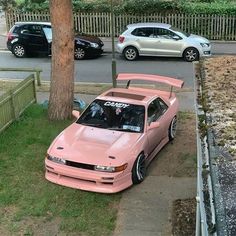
[214,27]
[15,101]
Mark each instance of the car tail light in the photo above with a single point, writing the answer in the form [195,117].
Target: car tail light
[121,39]
[10,36]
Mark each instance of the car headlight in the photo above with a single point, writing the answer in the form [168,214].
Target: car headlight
[110,168]
[94,45]
[204,45]
[56,159]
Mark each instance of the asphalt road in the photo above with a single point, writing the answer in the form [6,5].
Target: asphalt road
[98,70]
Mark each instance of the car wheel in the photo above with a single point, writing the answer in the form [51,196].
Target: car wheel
[191,54]
[130,53]
[139,170]
[19,50]
[79,53]
[173,128]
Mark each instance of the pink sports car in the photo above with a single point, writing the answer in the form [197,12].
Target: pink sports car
[109,146]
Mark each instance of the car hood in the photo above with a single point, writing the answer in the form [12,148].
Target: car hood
[89,38]
[198,38]
[94,146]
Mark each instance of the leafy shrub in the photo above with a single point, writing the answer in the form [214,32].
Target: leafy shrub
[140,6]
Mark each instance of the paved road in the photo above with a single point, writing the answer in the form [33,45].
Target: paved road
[99,69]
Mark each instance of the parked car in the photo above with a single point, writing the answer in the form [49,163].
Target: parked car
[27,38]
[109,146]
[164,40]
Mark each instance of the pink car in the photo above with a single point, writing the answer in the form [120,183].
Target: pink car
[109,146]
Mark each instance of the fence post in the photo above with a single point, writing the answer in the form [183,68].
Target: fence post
[34,85]
[13,111]
[38,77]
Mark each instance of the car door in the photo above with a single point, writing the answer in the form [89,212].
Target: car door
[36,38]
[48,34]
[146,40]
[156,112]
[168,43]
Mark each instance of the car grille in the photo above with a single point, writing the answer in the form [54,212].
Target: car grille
[79,165]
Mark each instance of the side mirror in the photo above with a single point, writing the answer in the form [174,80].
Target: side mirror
[154,125]
[176,37]
[76,114]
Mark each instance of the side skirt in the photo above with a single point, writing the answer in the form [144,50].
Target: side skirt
[157,149]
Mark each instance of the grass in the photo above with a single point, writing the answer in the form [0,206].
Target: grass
[28,201]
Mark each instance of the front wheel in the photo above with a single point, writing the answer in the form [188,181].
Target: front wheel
[79,53]
[139,170]
[173,128]
[19,50]
[130,53]
[191,54]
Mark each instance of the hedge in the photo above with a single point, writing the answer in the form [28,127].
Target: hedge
[144,6]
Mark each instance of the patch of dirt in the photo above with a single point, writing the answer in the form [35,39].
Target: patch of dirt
[28,225]
[220,85]
[184,217]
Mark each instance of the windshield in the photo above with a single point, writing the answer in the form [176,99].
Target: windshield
[114,115]
[179,32]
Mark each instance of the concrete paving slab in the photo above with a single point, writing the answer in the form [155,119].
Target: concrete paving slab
[145,209]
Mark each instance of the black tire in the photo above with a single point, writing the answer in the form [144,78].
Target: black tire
[19,50]
[79,53]
[191,54]
[172,128]
[139,170]
[130,53]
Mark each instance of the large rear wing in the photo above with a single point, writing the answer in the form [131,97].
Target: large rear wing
[148,77]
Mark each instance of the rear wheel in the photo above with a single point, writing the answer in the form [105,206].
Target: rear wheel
[191,54]
[139,170]
[79,53]
[19,50]
[130,53]
[173,128]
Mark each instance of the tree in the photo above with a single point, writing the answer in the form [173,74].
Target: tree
[62,68]
[7,4]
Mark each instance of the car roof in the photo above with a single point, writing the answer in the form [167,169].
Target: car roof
[32,23]
[149,24]
[133,95]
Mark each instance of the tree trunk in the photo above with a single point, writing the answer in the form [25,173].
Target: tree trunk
[62,67]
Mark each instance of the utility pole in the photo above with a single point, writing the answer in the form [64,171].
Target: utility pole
[113,60]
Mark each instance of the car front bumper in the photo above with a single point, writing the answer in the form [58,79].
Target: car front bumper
[88,180]
[94,51]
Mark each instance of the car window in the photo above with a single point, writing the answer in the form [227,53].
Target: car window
[48,33]
[15,29]
[114,115]
[35,29]
[164,33]
[179,31]
[144,32]
[156,109]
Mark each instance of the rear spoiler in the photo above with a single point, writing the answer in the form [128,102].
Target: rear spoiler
[148,77]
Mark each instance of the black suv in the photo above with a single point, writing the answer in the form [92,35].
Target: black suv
[27,38]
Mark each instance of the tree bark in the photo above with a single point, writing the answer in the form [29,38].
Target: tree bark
[62,67]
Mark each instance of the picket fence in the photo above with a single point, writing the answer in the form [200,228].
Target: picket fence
[214,27]
[15,101]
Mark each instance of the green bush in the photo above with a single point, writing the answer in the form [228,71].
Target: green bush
[219,7]
[141,6]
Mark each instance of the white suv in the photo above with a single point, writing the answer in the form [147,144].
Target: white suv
[156,39]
